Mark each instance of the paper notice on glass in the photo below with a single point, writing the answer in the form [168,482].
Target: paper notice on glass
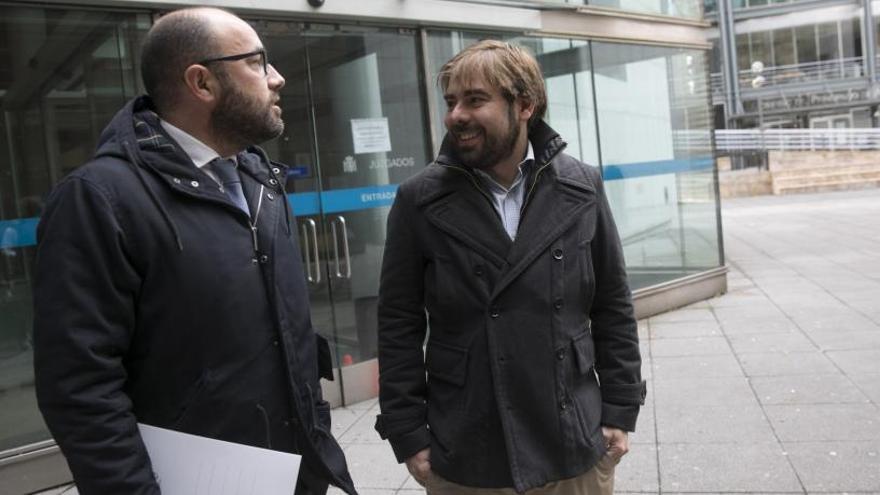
[192,465]
[370,135]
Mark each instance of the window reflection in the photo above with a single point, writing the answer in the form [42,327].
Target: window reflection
[662,191]
[63,74]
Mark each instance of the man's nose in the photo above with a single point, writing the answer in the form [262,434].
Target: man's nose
[458,113]
[276,80]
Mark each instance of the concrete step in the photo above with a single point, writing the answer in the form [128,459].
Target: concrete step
[830,168]
[828,187]
[788,160]
[842,176]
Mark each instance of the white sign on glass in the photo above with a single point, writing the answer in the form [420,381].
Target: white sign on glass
[371,135]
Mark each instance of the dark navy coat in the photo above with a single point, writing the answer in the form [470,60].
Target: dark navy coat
[158,301]
[522,332]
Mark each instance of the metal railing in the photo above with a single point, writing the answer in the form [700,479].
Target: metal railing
[797,139]
[842,68]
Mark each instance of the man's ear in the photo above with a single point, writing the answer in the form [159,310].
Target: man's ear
[526,108]
[201,83]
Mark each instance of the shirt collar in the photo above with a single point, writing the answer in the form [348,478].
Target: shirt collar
[200,153]
[522,170]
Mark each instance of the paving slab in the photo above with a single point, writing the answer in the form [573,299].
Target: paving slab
[696,366]
[736,467]
[712,424]
[818,422]
[869,384]
[697,314]
[837,466]
[701,391]
[759,325]
[690,346]
[847,341]
[678,330]
[783,342]
[857,362]
[637,471]
[807,389]
[786,363]
[374,466]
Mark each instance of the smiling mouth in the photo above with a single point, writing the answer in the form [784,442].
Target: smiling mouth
[466,137]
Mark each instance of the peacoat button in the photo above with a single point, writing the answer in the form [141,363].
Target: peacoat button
[254,261]
[275,342]
[557,304]
[563,405]
[175,180]
[560,354]
[194,183]
[495,313]
[264,259]
[273,182]
[270,196]
[557,254]
[478,270]
[276,170]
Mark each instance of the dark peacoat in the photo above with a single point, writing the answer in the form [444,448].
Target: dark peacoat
[532,345]
[158,301]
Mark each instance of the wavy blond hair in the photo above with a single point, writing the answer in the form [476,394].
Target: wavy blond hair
[510,68]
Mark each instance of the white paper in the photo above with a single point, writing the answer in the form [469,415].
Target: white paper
[192,465]
[370,135]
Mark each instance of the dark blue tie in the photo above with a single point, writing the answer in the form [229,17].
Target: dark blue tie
[228,175]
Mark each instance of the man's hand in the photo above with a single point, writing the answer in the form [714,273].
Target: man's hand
[419,466]
[616,441]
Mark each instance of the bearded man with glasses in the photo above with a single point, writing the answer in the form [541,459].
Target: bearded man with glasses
[169,285]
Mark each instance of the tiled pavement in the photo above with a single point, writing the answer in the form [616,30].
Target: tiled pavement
[773,388]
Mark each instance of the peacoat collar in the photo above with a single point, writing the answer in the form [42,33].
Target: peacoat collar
[456,202]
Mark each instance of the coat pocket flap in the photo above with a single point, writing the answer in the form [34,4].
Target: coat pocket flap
[447,362]
[584,353]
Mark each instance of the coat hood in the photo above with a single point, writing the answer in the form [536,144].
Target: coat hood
[136,138]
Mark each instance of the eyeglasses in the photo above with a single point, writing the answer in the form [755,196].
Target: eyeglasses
[231,58]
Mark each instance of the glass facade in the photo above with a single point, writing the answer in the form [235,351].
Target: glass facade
[602,96]
[63,74]
[342,82]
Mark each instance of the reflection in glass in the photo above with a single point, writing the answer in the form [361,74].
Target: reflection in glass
[662,191]
[68,74]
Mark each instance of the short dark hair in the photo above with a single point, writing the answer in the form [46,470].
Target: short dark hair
[175,42]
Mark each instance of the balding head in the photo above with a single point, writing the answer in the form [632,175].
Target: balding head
[178,40]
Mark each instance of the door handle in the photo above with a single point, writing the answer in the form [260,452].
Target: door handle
[340,221]
[309,224]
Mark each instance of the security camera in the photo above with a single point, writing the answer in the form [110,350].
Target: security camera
[316,3]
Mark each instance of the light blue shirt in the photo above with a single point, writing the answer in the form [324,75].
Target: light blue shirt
[508,202]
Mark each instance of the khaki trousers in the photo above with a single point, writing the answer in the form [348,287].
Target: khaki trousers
[596,481]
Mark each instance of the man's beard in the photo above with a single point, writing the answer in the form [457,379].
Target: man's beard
[243,120]
[494,149]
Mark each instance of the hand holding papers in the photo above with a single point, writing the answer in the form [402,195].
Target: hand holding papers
[192,465]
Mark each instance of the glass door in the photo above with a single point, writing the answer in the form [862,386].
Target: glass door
[355,129]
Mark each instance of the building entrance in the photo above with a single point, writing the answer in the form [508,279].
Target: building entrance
[355,128]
